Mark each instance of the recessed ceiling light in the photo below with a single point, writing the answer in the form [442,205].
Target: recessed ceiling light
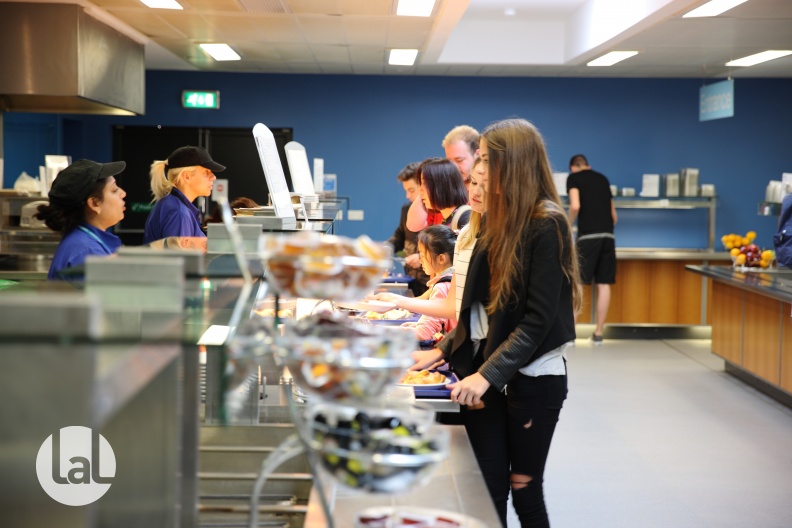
[402,57]
[162,4]
[713,8]
[220,52]
[509,11]
[609,59]
[756,58]
[421,8]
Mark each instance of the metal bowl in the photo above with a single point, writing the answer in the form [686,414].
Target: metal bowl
[374,448]
[356,360]
[324,266]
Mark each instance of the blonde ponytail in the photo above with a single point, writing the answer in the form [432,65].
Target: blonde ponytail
[161,186]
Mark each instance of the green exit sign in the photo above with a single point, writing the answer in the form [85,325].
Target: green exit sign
[195,99]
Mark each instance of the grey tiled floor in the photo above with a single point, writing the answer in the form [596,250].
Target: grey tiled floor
[655,434]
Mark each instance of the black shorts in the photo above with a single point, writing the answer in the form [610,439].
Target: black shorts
[597,260]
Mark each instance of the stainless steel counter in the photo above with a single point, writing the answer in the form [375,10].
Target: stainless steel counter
[457,486]
[671,254]
[776,284]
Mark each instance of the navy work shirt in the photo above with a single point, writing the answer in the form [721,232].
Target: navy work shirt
[173,215]
[77,244]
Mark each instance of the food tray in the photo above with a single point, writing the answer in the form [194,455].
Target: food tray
[436,392]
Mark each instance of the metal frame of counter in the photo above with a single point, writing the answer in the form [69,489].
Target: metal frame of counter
[752,326]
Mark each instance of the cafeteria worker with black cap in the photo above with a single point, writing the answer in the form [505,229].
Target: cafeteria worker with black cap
[84,202]
[176,182]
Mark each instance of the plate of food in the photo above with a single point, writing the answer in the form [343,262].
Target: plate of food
[424,379]
[367,306]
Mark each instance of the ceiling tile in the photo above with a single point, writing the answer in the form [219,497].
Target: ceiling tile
[331,54]
[365,54]
[211,5]
[304,67]
[256,51]
[119,3]
[368,69]
[194,26]
[408,32]
[315,7]
[147,22]
[323,29]
[294,52]
[366,31]
[337,69]
[264,28]
[366,7]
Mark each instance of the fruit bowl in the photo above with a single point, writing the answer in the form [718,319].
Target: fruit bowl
[330,356]
[376,448]
[751,256]
[312,265]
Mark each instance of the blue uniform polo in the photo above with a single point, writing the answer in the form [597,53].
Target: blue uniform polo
[77,244]
[173,215]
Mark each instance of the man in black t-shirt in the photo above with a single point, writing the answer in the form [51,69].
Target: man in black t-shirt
[591,203]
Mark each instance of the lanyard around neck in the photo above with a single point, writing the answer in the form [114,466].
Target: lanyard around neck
[95,237]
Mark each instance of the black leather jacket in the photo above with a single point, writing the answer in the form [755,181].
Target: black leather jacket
[539,320]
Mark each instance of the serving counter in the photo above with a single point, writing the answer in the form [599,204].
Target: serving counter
[752,325]
[653,288]
[153,382]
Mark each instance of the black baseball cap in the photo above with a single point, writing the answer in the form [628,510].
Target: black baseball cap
[192,157]
[74,184]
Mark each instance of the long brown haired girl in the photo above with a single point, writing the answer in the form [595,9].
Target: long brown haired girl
[516,321]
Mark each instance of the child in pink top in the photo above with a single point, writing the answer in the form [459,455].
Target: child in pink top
[436,249]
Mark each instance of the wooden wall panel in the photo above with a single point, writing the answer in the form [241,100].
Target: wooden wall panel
[727,325]
[615,314]
[710,282]
[689,295]
[663,281]
[585,312]
[761,336]
[634,287]
[786,347]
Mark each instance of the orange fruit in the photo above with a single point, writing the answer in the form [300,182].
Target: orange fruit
[751,235]
[740,259]
[746,241]
[735,251]
[764,263]
[767,254]
[729,245]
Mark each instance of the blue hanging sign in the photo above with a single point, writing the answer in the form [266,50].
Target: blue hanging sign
[716,101]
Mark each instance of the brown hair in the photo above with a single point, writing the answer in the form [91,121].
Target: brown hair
[521,190]
[410,172]
[65,220]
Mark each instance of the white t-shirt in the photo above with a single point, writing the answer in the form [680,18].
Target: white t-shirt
[461,263]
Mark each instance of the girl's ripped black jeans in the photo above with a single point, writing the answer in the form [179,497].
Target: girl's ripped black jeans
[511,438]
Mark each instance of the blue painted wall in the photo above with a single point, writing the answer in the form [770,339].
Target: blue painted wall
[368,128]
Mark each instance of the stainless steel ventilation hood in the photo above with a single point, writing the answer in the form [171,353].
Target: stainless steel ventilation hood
[55,58]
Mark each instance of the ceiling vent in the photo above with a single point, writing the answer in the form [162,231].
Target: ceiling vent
[275,7]
[57,59]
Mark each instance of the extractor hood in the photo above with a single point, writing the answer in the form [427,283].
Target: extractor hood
[55,58]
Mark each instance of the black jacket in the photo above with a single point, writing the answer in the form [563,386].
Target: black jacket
[539,320]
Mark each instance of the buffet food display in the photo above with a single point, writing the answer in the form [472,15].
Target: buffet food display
[335,357]
[344,366]
[312,265]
